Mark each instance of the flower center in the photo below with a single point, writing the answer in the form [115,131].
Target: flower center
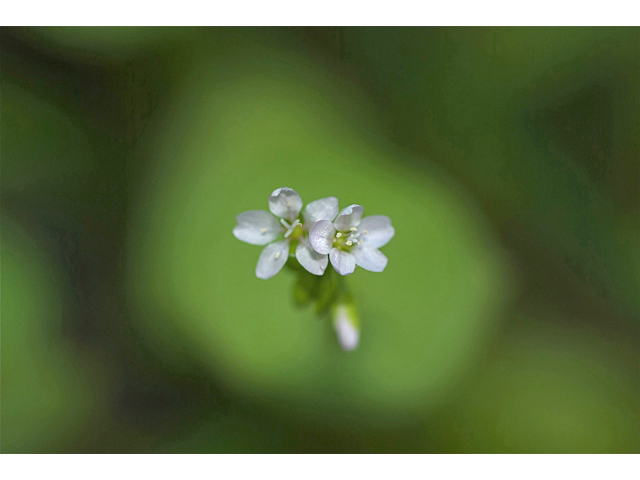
[347,240]
[294,231]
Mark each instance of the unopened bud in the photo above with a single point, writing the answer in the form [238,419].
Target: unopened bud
[346,324]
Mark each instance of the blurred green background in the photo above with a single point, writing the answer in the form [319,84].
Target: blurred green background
[507,319]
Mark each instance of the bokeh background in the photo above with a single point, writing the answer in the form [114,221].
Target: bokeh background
[507,319]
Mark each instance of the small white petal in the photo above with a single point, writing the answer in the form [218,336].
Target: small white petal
[348,334]
[323,209]
[313,262]
[285,203]
[348,218]
[321,236]
[272,259]
[257,227]
[376,230]
[343,262]
[370,258]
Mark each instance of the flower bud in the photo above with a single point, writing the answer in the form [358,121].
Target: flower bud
[347,325]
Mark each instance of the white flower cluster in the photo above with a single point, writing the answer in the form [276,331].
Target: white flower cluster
[319,236]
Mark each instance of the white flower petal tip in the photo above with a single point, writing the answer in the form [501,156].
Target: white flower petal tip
[272,259]
[376,230]
[343,262]
[285,203]
[321,236]
[323,209]
[257,227]
[345,324]
[313,262]
[349,217]
[370,258]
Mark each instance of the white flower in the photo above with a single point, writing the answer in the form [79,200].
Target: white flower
[259,227]
[352,240]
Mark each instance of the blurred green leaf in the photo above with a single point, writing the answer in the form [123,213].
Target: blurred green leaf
[47,398]
[43,151]
[104,43]
[237,133]
[547,389]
